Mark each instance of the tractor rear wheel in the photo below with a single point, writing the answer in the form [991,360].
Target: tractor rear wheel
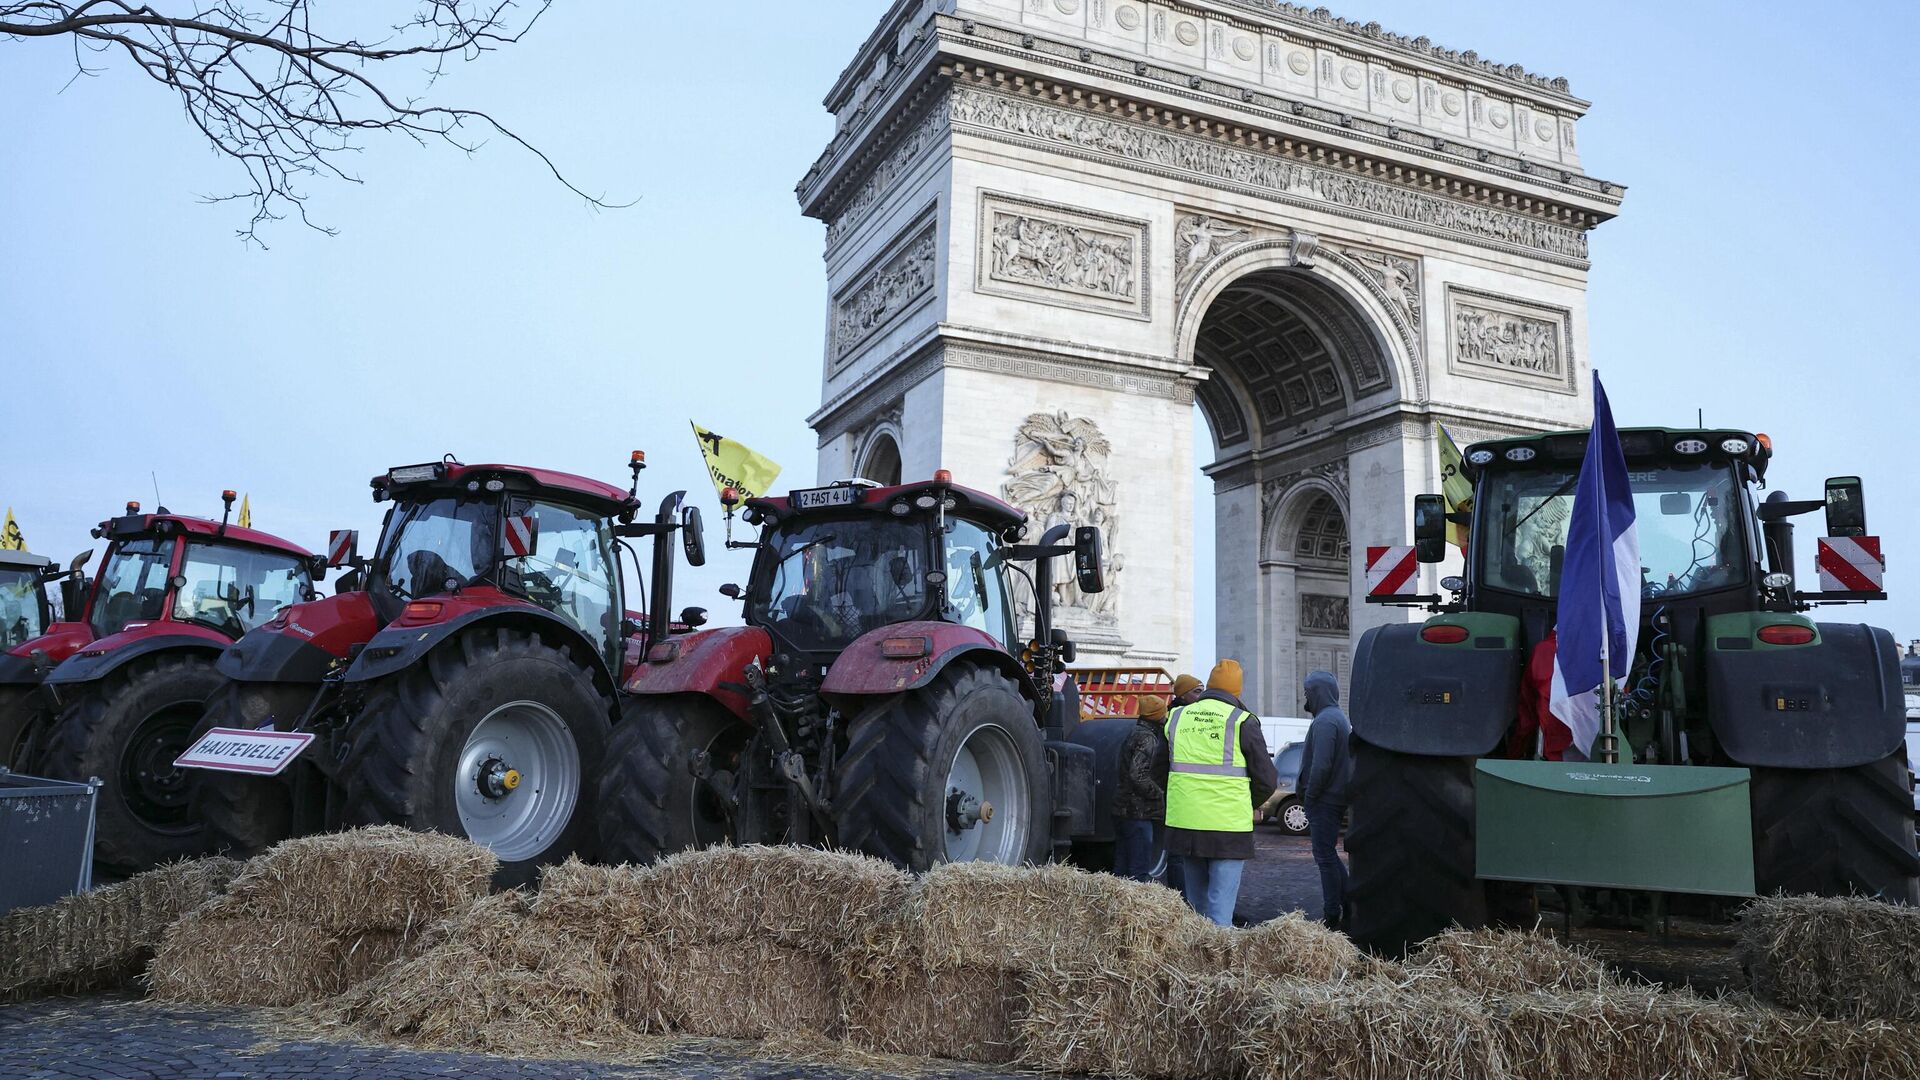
[23,720]
[245,815]
[1412,849]
[651,804]
[951,772]
[126,729]
[1836,832]
[491,737]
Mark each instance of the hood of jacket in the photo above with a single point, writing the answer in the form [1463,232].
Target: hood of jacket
[1323,692]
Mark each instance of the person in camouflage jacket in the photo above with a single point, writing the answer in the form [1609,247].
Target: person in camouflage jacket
[1140,797]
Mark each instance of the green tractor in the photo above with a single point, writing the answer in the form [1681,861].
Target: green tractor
[1752,751]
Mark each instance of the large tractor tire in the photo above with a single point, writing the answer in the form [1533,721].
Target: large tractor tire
[1836,832]
[1412,849]
[651,804]
[23,722]
[127,729]
[493,737]
[922,768]
[245,815]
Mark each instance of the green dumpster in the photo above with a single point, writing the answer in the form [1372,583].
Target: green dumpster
[1665,828]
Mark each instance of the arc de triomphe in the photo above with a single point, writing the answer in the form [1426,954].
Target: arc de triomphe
[1054,225]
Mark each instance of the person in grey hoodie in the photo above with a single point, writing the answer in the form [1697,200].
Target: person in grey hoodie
[1326,766]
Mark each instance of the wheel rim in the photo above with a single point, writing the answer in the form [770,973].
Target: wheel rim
[152,787]
[518,780]
[1294,817]
[986,772]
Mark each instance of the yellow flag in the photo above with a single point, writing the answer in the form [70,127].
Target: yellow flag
[734,466]
[246,514]
[1454,486]
[10,538]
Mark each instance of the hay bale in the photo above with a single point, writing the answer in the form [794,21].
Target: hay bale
[1049,918]
[1367,1030]
[494,980]
[1791,1046]
[1838,957]
[205,960]
[803,898]
[102,938]
[1289,946]
[749,989]
[1490,962]
[894,1002]
[379,878]
[1623,1033]
[1169,1026]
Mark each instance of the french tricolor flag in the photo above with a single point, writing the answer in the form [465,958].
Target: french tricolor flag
[1599,581]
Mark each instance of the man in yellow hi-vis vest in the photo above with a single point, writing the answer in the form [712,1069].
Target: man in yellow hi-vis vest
[1218,771]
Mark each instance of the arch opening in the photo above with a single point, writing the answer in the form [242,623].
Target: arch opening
[880,462]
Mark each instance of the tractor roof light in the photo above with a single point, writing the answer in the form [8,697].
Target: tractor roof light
[638,457]
[1735,447]
[942,476]
[925,500]
[1777,581]
[900,508]
[133,507]
[413,474]
[1480,457]
[1785,634]
[1521,453]
[473,485]
[1690,446]
[496,485]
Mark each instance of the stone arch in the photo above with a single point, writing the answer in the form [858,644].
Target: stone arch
[879,456]
[1324,281]
[1286,505]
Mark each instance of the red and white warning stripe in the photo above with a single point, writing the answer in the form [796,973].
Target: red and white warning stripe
[1851,564]
[1391,571]
[340,546]
[519,536]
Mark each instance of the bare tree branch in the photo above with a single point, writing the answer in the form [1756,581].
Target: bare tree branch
[282,100]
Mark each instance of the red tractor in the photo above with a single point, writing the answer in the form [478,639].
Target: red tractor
[26,612]
[877,698]
[124,682]
[461,680]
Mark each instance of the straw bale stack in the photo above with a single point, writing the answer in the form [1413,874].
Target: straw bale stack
[380,878]
[1172,1026]
[1490,962]
[1048,918]
[102,938]
[1364,1029]
[1622,1033]
[494,980]
[1792,1046]
[205,959]
[1838,957]
[893,1001]
[1289,946]
[747,989]
[802,898]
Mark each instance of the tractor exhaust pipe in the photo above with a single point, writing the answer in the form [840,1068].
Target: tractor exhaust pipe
[660,615]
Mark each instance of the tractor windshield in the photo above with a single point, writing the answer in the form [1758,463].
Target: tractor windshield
[571,570]
[830,580]
[440,540]
[133,586]
[234,589]
[1687,518]
[20,613]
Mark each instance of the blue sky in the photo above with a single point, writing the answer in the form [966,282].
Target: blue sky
[1760,270]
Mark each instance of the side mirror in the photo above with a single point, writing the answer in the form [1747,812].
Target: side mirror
[317,568]
[1846,507]
[343,548]
[693,536]
[1088,559]
[1429,528]
[348,582]
[521,536]
[731,591]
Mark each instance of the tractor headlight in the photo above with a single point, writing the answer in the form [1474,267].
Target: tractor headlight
[1777,581]
[1480,457]
[1520,453]
[1736,447]
[1453,583]
[1690,446]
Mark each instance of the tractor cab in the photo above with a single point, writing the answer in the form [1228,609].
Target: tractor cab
[835,563]
[536,535]
[25,611]
[169,568]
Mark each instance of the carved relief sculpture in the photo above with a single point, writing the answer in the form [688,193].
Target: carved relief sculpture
[1062,256]
[882,294]
[1059,475]
[1323,614]
[1510,340]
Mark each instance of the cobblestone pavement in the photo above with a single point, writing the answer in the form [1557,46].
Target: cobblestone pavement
[126,1037]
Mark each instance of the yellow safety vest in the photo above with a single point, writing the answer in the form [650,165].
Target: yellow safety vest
[1207,788]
